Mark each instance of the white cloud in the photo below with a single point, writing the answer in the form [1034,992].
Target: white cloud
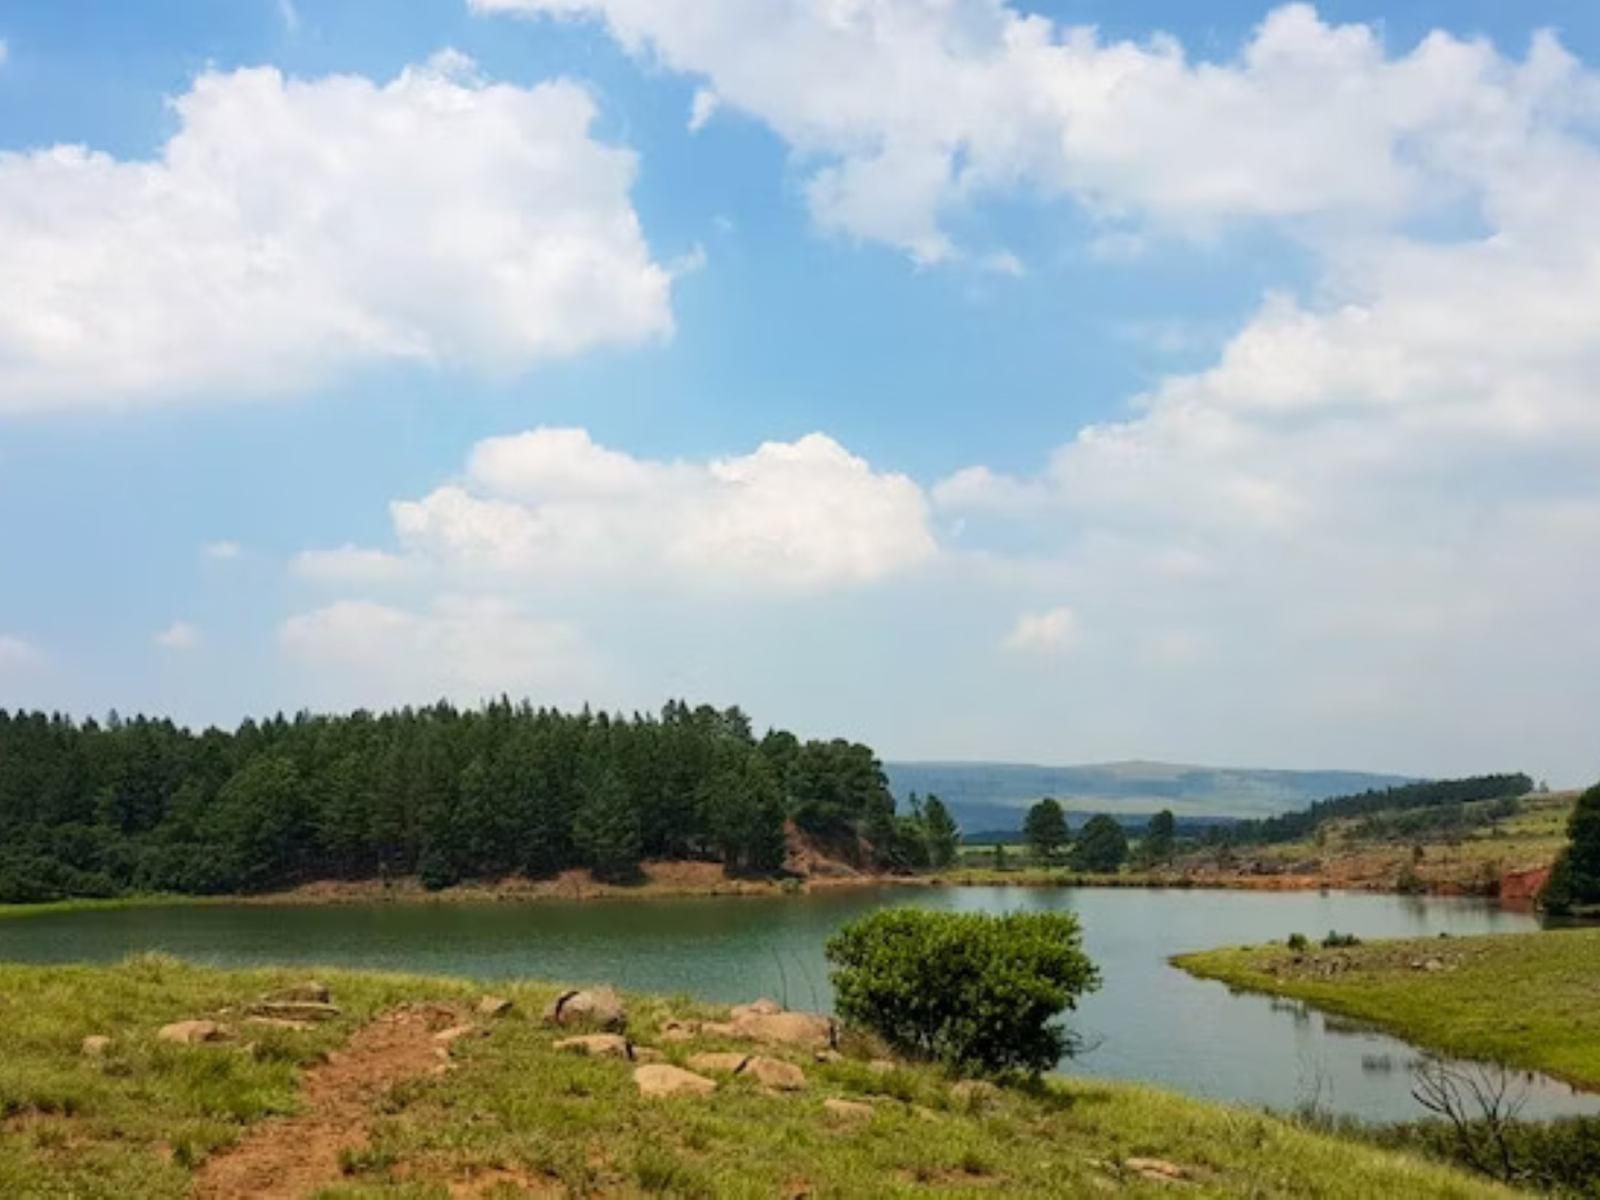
[289,15]
[359,653]
[16,653]
[179,636]
[352,565]
[293,229]
[912,108]
[702,109]
[223,551]
[798,516]
[1054,631]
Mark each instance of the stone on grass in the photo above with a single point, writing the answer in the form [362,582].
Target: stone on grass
[849,1110]
[810,1030]
[96,1045]
[661,1079]
[680,1031]
[775,1073]
[647,1054]
[493,1006]
[191,1033]
[590,1006]
[1156,1169]
[446,1036]
[595,1045]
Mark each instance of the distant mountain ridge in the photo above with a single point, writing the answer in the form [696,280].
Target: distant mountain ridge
[985,796]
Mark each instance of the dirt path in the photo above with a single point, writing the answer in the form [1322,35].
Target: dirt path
[290,1157]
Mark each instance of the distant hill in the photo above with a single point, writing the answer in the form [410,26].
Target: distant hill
[987,796]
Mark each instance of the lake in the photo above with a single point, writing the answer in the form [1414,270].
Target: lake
[1149,1021]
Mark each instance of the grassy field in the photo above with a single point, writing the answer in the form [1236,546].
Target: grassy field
[1527,1000]
[498,1112]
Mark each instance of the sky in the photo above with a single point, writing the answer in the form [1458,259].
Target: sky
[1047,382]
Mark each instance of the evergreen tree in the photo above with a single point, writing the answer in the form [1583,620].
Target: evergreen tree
[606,829]
[942,834]
[1159,838]
[1101,847]
[1045,829]
[1575,881]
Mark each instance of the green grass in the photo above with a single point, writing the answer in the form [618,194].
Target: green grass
[1526,1000]
[135,1123]
[91,904]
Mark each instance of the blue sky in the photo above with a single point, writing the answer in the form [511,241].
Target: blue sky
[1214,385]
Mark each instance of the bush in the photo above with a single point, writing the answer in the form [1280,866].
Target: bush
[976,992]
[1338,941]
[1299,943]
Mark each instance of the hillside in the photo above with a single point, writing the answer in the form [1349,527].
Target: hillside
[992,795]
[159,1080]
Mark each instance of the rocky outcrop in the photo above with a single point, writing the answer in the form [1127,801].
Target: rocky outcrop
[847,1110]
[493,1007]
[660,1080]
[774,1073]
[599,1007]
[191,1033]
[720,1062]
[811,1031]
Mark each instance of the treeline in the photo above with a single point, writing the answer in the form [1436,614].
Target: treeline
[92,809]
[1291,827]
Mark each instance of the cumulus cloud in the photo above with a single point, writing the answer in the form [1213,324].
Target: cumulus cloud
[913,108]
[1054,631]
[464,648]
[798,516]
[291,229]
[352,565]
[179,636]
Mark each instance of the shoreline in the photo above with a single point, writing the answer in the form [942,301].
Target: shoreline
[684,880]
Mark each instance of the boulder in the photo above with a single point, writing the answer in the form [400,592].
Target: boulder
[596,1045]
[721,1062]
[647,1054]
[680,1031]
[96,1045]
[661,1079]
[775,1073]
[1158,1170]
[849,1110]
[600,1007]
[445,1036]
[809,1030]
[493,1006]
[191,1033]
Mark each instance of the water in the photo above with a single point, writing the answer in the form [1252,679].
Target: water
[1149,1021]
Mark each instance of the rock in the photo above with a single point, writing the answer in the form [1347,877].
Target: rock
[660,1079]
[596,1045]
[96,1045]
[445,1036]
[309,992]
[1157,1169]
[191,1033]
[1433,964]
[592,1006]
[809,1030]
[849,1110]
[295,1010]
[680,1031]
[721,1062]
[775,1073]
[974,1092]
[758,1008]
[493,1006]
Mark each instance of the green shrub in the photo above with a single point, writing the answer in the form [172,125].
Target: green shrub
[974,991]
[1338,941]
[1299,943]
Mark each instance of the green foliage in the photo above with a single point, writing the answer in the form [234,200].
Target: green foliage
[943,835]
[1102,846]
[1160,837]
[1575,881]
[1299,943]
[974,991]
[97,810]
[1291,827]
[1045,829]
[1560,1157]
[1339,941]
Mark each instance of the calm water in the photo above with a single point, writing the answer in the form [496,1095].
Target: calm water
[1149,1021]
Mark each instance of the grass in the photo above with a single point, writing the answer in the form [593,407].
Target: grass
[94,904]
[136,1122]
[1526,1000]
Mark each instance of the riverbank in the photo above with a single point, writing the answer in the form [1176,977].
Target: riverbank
[1526,1000]
[414,1087]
